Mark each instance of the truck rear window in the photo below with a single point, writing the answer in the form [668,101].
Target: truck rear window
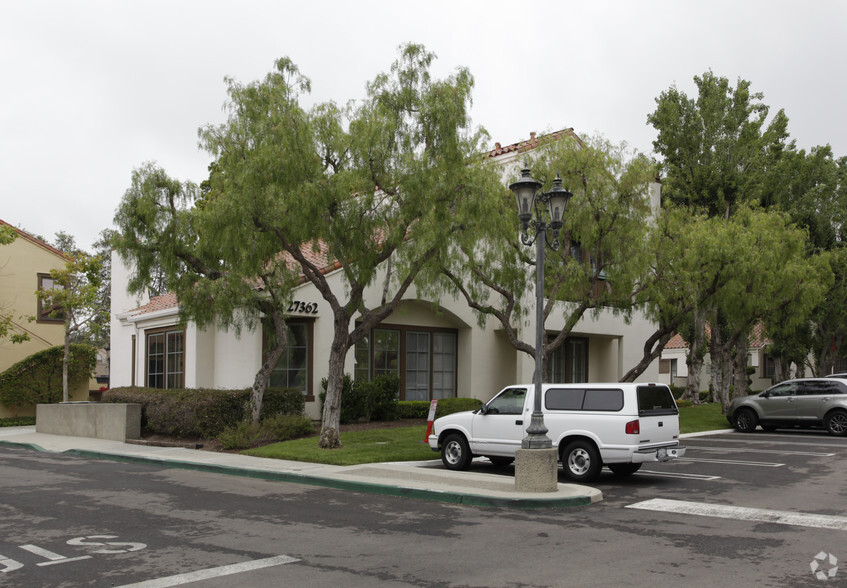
[655,400]
[577,399]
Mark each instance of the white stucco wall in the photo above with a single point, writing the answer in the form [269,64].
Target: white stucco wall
[217,358]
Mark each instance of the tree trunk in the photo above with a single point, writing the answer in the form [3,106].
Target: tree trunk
[264,374]
[696,352]
[331,420]
[66,358]
[739,387]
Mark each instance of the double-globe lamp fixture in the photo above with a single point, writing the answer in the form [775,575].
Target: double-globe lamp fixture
[555,201]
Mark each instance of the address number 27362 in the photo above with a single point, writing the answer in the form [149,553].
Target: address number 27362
[304,307]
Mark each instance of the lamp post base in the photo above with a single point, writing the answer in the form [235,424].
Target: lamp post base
[537,470]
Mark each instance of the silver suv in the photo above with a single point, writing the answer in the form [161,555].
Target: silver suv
[812,402]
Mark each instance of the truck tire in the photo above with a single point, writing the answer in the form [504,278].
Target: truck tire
[581,461]
[455,452]
[624,469]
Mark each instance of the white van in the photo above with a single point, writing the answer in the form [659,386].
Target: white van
[619,425]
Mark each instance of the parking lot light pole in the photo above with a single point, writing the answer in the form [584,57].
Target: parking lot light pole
[532,471]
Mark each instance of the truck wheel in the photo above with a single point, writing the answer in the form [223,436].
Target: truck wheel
[836,423]
[455,452]
[499,460]
[624,469]
[581,461]
[746,420]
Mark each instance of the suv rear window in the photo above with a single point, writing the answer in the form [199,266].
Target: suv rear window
[655,400]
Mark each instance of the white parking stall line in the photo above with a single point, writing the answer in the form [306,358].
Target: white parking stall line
[678,475]
[774,451]
[746,440]
[761,464]
[245,566]
[760,515]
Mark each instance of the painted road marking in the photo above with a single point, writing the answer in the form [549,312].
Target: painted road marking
[760,515]
[679,475]
[53,558]
[245,566]
[775,451]
[761,464]
[748,441]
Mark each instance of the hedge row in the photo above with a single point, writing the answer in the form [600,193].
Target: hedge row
[201,412]
[376,400]
[361,400]
[419,409]
[37,379]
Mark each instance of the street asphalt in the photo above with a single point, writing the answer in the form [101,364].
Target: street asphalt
[423,480]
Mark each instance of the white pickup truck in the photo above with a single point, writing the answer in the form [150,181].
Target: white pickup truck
[619,425]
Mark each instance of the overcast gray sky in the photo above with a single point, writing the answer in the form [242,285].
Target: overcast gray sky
[91,90]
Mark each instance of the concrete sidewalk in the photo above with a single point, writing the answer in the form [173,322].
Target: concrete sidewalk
[427,480]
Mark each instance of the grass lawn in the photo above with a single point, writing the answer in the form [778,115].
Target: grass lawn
[705,417]
[406,443]
[372,446]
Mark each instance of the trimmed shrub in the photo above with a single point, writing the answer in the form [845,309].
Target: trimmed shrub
[280,427]
[240,436]
[450,405]
[367,401]
[281,401]
[684,403]
[200,412]
[412,409]
[37,379]
[419,409]
[382,395]
[17,421]
[283,427]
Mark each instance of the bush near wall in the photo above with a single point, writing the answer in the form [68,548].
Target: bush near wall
[200,412]
[37,379]
[361,400]
[419,409]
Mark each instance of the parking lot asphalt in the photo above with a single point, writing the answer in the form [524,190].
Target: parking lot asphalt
[410,479]
[790,470]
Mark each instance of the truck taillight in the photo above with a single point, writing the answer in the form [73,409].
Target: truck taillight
[633,428]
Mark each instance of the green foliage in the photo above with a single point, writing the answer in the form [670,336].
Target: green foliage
[281,427]
[383,394]
[17,422]
[419,409]
[199,412]
[371,446]
[37,379]
[608,215]
[717,149]
[282,401]
[367,401]
[450,405]
[412,409]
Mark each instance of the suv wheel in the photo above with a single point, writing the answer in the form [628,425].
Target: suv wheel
[455,452]
[836,423]
[746,420]
[581,461]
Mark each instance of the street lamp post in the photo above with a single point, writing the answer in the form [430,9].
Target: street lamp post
[545,205]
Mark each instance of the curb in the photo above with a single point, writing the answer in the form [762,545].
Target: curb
[366,487]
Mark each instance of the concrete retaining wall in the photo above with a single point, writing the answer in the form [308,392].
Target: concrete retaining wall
[117,422]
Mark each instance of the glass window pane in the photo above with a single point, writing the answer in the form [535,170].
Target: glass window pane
[292,369]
